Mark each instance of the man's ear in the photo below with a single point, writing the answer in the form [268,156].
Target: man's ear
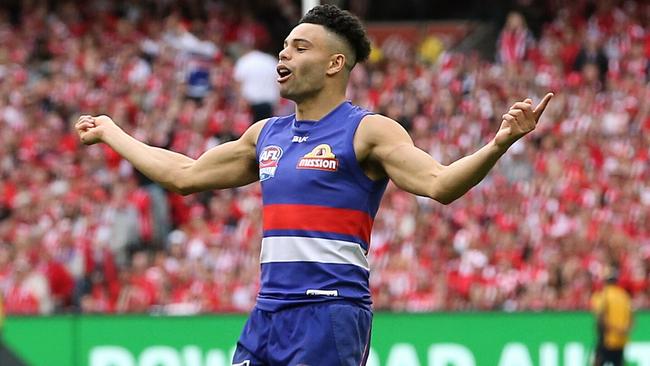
[337,63]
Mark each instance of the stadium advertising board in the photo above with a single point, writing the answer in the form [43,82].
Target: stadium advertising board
[441,339]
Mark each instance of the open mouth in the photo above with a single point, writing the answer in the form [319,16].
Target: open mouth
[284,72]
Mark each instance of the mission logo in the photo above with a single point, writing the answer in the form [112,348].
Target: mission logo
[320,158]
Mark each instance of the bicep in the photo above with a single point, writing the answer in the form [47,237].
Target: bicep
[231,164]
[228,165]
[410,168]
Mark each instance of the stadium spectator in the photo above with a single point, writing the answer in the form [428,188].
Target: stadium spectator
[592,62]
[28,291]
[515,40]
[613,311]
[256,73]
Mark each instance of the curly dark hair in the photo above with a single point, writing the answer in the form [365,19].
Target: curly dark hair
[344,24]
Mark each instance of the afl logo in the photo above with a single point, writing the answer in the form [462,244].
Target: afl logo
[269,161]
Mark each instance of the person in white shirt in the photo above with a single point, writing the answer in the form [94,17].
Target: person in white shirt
[257,76]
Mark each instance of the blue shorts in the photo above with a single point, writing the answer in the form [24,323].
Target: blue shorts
[322,334]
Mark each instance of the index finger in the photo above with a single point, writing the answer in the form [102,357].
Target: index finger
[542,106]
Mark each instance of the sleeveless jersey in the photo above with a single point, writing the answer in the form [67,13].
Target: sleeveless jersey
[319,208]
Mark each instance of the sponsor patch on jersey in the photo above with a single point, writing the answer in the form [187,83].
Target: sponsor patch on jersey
[269,159]
[320,158]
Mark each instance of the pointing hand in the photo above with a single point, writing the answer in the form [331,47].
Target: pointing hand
[520,120]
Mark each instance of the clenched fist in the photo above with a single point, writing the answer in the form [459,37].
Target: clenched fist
[91,129]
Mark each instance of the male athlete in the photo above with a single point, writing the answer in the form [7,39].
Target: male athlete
[323,171]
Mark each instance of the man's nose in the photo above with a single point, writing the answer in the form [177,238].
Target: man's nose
[284,54]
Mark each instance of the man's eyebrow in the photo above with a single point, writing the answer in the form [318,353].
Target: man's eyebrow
[297,40]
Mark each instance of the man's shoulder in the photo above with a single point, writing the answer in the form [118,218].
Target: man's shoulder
[273,122]
[379,131]
[378,124]
[280,120]
[372,117]
[253,132]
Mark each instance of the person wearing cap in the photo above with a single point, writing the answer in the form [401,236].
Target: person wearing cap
[613,310]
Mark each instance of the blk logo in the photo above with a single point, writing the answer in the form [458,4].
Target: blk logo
[299,139]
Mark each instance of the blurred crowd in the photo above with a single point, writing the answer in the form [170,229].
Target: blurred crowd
[80,230]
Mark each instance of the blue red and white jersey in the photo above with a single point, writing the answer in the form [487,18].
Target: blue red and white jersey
[319,208]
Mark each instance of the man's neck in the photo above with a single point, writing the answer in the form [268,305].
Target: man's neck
[314,109]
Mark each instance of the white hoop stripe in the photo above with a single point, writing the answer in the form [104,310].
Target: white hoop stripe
[302,249]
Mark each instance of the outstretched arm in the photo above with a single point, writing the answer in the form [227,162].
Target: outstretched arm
[231,164]
[417,172]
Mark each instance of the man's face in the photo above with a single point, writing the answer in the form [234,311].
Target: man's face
[304,61]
